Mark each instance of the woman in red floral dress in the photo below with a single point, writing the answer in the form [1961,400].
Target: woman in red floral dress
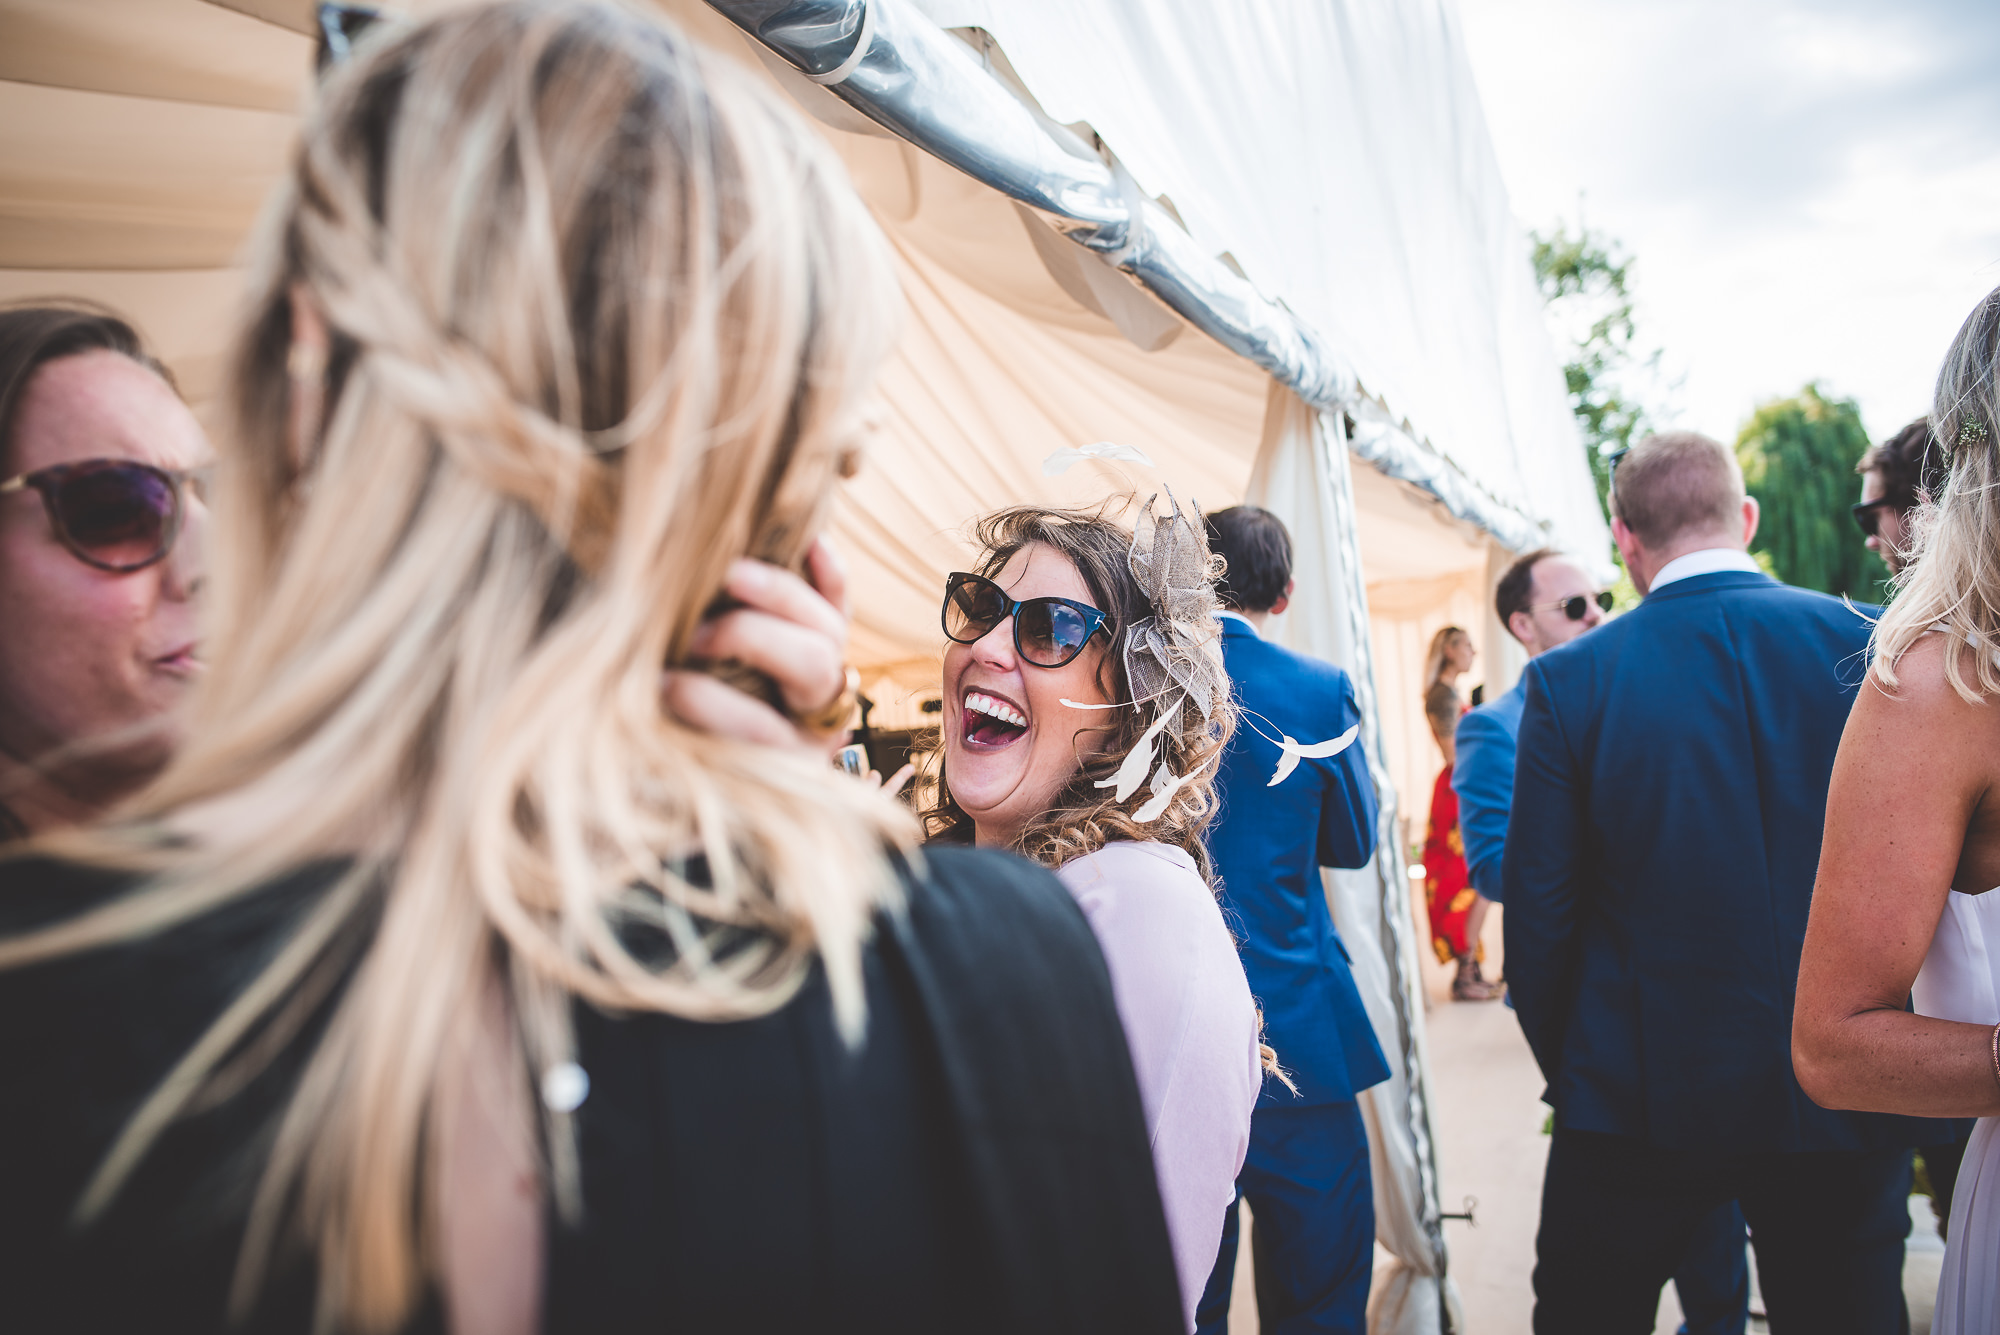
[1457,911]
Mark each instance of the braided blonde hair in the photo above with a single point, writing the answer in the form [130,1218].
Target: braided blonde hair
[602,315]
[1951,581]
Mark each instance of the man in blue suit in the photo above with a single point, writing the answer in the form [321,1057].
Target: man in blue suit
[1545,601]
[1669,796]
[1306,1176]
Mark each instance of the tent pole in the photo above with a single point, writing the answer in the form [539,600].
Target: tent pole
[1391,877]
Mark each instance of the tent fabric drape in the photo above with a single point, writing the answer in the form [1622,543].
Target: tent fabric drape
[1338,154]
[1302,475]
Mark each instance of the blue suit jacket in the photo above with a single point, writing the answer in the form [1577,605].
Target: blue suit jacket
[1669,798]
[1483,778]
[1268,845]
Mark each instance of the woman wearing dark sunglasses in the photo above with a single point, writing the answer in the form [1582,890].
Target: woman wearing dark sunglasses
[1040,716]
[98,569]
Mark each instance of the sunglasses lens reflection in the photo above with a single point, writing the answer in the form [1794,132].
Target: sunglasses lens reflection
[121,514]
[1604,601]
[972,607]
[1051,632]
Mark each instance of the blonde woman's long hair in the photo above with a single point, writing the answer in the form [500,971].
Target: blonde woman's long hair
[1436,656]
[1952,579]
[603,314]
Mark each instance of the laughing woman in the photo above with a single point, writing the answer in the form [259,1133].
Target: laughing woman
[1084,662]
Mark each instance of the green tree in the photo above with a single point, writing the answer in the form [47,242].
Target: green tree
[1583,279]
[1798,458]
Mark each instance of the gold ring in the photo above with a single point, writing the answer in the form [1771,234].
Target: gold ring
[833,715]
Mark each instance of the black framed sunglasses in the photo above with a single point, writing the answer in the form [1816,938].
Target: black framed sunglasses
[1868,514]
[1048,632]
[115,514]
[1611,462]
[1575,607]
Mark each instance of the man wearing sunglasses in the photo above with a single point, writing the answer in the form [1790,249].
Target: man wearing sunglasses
[1544,600]
[1670,792]
[99,566]
[1897,476]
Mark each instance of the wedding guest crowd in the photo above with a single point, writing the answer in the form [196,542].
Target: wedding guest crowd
[356,1017]
[429,905]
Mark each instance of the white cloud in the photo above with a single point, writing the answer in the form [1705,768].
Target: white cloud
[1811,188]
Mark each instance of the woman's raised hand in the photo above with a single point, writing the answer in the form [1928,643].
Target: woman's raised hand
[791,630]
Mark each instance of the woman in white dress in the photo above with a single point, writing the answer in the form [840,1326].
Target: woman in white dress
[1906,903]
[1084,662]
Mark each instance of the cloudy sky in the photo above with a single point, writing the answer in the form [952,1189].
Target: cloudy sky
[1811,188]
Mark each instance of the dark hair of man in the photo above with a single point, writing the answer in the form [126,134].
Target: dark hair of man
[1675,483]
[1908,461]
[1516,590]
[1259,552]
[35,333]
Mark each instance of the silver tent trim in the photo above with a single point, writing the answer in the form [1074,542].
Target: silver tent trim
[888,61]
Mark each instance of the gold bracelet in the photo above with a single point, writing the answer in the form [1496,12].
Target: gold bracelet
[1996,1054]
[832,717]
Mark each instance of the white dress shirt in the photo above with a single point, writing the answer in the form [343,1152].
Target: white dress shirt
[1704,562]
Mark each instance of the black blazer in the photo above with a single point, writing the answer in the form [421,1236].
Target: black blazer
[979,1164]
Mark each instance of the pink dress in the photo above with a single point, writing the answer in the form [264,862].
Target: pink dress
[1191,1027]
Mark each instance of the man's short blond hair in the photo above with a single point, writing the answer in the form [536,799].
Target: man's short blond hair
[1678,482]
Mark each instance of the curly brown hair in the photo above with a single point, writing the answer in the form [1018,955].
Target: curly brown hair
[1082,817]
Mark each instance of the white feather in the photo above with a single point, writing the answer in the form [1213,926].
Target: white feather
[1156,805]
[1292,752]
[1132,772]
[1069,456]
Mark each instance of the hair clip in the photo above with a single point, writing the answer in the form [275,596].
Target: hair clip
[1970,432]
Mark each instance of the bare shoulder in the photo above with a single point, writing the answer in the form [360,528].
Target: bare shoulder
[1923,689]
[1921,737]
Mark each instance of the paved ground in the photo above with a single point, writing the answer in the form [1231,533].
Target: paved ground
[1490,1145]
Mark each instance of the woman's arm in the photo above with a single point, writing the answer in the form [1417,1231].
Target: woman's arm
[1191,1027]
[1913,772]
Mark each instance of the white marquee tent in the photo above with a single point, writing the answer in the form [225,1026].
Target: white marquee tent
[1266,244]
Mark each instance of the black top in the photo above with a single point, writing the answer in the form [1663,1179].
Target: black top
[980,1164]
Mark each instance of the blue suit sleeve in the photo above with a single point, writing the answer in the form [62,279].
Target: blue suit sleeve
[1543,877]
[1483,778]
[1347,807]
